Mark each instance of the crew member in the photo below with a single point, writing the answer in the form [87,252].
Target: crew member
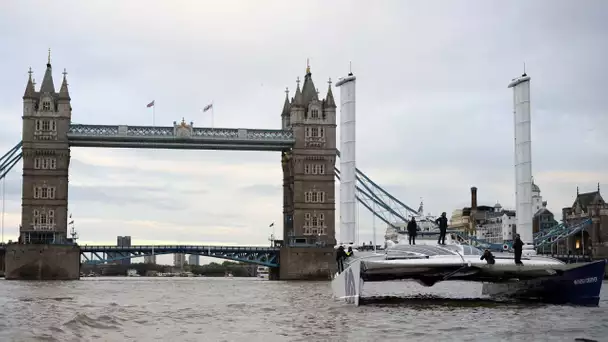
[340,256]
[350,253]
[518,247]
[412,228]
[488,257]
[442,222]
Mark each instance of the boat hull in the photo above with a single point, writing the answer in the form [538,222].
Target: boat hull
[577,286]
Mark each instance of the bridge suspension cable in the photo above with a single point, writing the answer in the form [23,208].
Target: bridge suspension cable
[10,159]
[378,201]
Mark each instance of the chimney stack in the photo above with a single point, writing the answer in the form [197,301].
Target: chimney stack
[473,198]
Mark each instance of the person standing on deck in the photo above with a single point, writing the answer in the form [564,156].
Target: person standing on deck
[442,222]
[412,228]
[340,256]
[518,246]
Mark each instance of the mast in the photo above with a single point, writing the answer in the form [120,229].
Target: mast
[348,200]
[523,158]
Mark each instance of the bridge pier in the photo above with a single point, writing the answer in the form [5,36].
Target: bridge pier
[307,263]
[42,262]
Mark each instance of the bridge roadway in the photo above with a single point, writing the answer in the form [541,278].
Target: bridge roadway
[180,136]
[266,256]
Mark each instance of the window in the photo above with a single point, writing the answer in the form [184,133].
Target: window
[46,105]
[44,192]
[314,169]
[307,169]
[46,125]
[314,224]
[314,113]
[314,196]
[45,163]
[43,219]
[315,132]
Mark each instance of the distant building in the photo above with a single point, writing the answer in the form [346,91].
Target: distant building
[150,259]
[543,219]
[194,259]
[179,259]
[124,241]
[589,205]
[495,224]
[509,225]
[460,219]
[121,241]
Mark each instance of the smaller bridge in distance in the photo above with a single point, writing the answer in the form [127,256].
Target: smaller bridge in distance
[266,256]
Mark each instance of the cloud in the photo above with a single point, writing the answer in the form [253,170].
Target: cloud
[434,116]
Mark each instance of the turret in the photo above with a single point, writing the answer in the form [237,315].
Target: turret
[29,96]
[64,108]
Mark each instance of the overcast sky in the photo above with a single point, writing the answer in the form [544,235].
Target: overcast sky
[434,115]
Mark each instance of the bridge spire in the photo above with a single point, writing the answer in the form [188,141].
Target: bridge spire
[64,92]
[30,90]
[47,85]
[329,98]
[297,100]
[286,105]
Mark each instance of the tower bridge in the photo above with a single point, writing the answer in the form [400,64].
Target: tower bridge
[306,141]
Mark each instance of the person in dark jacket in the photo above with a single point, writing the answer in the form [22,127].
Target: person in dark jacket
[442,222]
[340,256]
[412,230]
[488,257]
[518,247]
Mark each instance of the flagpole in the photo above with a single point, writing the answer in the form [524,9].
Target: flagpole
[212,110]
[154,114]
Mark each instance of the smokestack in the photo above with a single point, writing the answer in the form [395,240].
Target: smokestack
[473,198]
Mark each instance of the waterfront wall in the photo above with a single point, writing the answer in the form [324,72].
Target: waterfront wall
[307,263]
[42,262]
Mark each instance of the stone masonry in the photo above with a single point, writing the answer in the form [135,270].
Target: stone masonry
[46,159]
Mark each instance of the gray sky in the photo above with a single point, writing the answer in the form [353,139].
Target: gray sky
[434,112]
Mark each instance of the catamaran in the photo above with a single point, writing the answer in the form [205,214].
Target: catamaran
[540,278]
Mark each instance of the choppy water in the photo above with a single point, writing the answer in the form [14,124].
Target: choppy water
[233,309]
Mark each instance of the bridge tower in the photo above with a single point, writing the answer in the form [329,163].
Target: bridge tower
[309,183]
[44,251]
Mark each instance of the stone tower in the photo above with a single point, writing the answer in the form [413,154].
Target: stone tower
[308,169]
[46,158]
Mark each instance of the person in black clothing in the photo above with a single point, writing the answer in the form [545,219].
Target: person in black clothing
[340,256]
[412,228]
[442,222]
[518,246]
[489,257]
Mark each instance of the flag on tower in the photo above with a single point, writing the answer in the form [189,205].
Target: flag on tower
[207,107]
[151,104]
[271,225]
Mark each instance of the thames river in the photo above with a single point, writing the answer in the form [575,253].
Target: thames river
[248,309]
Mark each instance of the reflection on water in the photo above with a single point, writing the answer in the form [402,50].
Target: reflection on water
[239,309]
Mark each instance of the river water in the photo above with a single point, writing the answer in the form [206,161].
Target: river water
[248,309]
